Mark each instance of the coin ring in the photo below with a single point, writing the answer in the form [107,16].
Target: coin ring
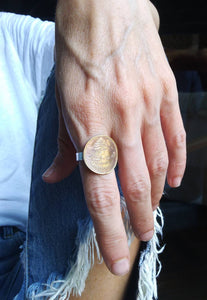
[100,154]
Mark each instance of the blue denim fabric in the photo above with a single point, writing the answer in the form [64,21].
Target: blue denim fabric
[56,211]
[11,268]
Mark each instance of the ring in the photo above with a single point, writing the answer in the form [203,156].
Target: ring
[100,154]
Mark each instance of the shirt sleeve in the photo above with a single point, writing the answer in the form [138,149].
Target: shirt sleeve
[34,41]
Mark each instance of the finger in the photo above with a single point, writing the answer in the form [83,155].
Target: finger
[136,187]
[103,200]
[63,164]
[175,138]
[156,158]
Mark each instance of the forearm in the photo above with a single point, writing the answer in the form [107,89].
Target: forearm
[86,23]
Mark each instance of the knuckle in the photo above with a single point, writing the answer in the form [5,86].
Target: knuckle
[179,139]
[125,102]
[114,240]
[152,118]
[149,89]
[129,142]
[126,107]
[138,190]
[101,202]
[170,93]
[121,107]
[151,99]
[179,167]
[169,82]
[159,165]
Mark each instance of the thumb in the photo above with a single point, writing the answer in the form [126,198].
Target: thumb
[64,162]
[61,167]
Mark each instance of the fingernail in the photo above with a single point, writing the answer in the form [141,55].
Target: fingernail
[48,172]
[120,267]
[145,237]
[176,182]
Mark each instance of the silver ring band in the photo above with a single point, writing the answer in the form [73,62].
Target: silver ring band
[79,156]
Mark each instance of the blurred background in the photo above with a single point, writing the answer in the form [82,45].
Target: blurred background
[183,32]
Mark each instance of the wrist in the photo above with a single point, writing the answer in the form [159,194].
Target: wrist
[93,26]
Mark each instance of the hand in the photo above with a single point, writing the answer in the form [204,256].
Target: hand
[113,78]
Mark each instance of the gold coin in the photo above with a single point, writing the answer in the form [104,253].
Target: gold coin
[100,154]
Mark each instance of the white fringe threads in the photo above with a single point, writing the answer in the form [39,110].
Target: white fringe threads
[74,282]
[149,264]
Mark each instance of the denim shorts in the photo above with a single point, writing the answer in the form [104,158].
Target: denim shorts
[11,267]
[60,234]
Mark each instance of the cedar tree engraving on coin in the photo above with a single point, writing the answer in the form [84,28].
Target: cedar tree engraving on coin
[100,154]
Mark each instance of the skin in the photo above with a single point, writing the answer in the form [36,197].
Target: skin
[113,78]
[102,285]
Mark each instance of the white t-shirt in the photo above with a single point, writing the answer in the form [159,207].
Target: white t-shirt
[26,59]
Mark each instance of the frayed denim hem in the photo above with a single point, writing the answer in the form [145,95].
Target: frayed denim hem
[59,288]
[149,263]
